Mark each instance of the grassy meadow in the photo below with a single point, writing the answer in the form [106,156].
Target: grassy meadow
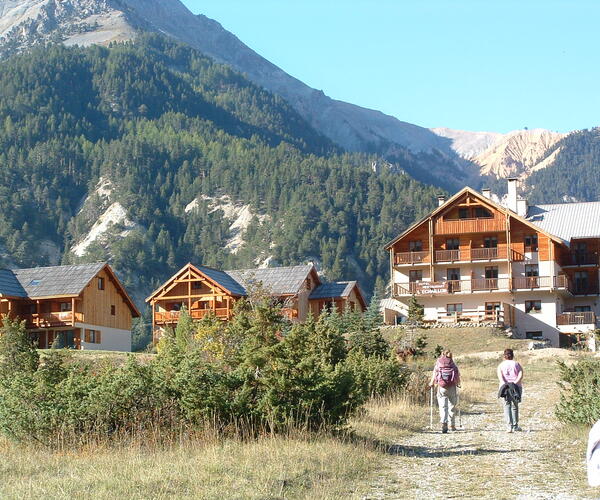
[368,461]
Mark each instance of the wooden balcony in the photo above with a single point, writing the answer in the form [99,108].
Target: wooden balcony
[576,318]
[166,317]
[480,285]
[411,258]
[577,259]
[463,226]
[52,319]
[470,254]
[471,316]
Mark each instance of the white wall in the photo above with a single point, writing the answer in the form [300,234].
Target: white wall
[545,321]
[112,338]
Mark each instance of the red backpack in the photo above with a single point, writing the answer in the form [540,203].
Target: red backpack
[447,372]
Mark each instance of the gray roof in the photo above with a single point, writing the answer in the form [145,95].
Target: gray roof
[9,285]
[223,279]
[275,280]
[332,290]
[567,220]
[56,280]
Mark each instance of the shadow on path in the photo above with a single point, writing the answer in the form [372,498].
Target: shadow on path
[426,452]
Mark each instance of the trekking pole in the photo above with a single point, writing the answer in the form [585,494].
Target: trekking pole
[459,409]
[431,408]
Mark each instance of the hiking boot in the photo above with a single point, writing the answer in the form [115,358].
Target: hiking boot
[509,429]
[516,428]
[453,427]
[444,428]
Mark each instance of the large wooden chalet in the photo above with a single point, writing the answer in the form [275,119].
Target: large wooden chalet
[203,290]
[79,306]
[532,267]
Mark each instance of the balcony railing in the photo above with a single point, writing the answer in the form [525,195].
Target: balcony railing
[173,316]
[576,318]
[471,315]
[467,254]
[579,259]
[462,226]
[480,285]
[584,288]
[411,257]
[51,319]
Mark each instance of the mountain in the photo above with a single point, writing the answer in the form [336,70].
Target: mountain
[498,156]
[25,23]
[150,155]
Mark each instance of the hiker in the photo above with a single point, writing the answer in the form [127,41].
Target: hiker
[447,377]
[510,376]
[593,456]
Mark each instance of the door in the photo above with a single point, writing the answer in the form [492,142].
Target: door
[453,277]
[580,252]
[581,282]
[414,277]
[492,311]
[532,273]
[491,277]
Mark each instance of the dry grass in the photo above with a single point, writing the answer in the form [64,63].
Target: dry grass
[271,467]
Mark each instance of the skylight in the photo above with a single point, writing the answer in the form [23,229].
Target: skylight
[35,282]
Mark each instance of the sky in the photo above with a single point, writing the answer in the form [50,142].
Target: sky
[464,64]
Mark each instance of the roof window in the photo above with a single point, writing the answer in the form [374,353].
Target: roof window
[35,282]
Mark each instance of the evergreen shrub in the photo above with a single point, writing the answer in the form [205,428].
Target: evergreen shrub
[580,392]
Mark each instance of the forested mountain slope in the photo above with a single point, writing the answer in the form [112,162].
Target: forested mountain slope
[574,173]
[138,152]
[28,23]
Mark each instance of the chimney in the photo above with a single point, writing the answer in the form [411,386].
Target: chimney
[487,192]
[441,200]
[512,194]
[522,207]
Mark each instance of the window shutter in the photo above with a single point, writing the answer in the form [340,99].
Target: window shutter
[87,336]
[98,337]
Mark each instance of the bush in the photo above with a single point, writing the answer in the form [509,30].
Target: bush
[580,392]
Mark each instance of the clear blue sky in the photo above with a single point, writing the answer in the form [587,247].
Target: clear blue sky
[466,64]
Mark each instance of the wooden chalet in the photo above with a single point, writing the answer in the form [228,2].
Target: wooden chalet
[203,290]
[533,268]
[79,306]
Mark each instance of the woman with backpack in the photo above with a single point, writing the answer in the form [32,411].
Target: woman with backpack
[510,376]
[447,377]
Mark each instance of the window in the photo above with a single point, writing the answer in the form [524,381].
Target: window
[93,337]
[532,270]
[492,311]
[65,307]
[531,243]
[482,213]
[533,306]
[490,242]
[452,244]
[414,276]
[580,247]
[463,213]
[100,283]
[491,272]
[113,310]
[582,309]
[453,274]
[453,309]
[196,285]
[415,246]
[35,282]
[534,335]
[582,282]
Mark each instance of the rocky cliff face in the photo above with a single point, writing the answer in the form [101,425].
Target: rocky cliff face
[515,154]
[24,23]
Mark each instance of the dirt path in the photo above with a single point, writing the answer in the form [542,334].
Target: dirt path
[483,461]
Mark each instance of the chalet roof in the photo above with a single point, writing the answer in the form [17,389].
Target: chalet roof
[333,290]
[567,220]
[224,279]
[276,280]
[56,280]
[9,285]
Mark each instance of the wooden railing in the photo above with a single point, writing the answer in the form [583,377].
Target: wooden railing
[461,226]
[173,316]
[470,254]
[480,285]
[579,259]
[471,315]
[411,257]
[52,319]
[576,318]
[584,289]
